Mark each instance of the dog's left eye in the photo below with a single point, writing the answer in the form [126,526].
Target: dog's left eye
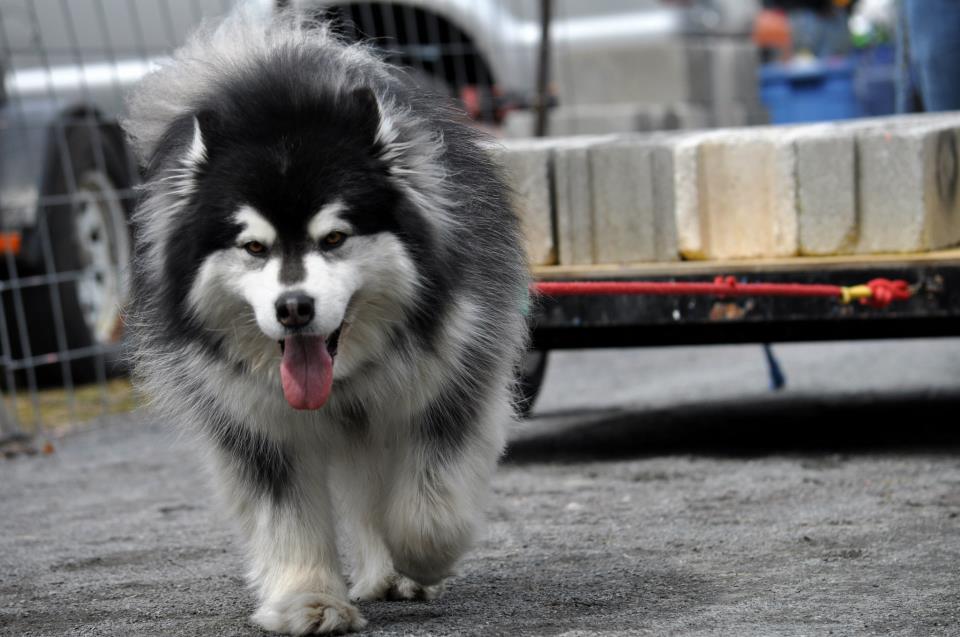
[255,248]
[333,240]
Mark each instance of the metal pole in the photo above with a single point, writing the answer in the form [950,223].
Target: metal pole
[543,70]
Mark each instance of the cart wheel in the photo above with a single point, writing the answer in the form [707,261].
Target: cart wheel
[532,369]
[89,237]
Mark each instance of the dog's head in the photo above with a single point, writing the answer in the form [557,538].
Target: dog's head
[298,245]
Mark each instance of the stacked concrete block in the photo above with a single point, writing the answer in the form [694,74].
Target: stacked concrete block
[738,114]
[877,185]
[855,187]
[826,191]
[908,187]
[632,202]
[734,194]
[860,191]
[747,196]
[622,71]
[614,200]
[668,71]
[602,119]
[682,116]
[862,187]
[573,190]
[723,76]
[669,84]
[565,121]
[730,70]
[526,164]
[686,196]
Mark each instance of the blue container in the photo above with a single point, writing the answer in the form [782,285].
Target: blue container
[815,92]
[876,80]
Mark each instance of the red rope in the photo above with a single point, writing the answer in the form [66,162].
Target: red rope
[882,292]
[886,292]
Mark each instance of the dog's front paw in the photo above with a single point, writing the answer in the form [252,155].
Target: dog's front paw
[309,614]
[393,587]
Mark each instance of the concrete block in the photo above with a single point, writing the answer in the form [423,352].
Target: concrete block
[598,119]
[603,119]
[632,202]
[686,194]
[826,191]
[723,77]
[767,192]
[875,185]
[665,71]
[722,71]
[526,164]
[574,201]
[830,209]
[622,70]
[908,185]
[518,124]
[738,114]
[879,185]
[746,195]
[684,116]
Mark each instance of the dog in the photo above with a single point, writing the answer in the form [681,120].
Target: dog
[329,288]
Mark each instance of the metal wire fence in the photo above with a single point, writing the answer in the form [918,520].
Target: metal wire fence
[66,190]
[67,178]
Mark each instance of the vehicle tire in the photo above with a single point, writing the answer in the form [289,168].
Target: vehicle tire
[87,236]
[532,369]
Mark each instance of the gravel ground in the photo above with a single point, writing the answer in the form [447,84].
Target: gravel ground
[654,493]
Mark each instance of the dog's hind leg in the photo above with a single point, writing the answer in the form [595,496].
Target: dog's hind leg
[358,481]
[283,506]
[374,577]
[439,490]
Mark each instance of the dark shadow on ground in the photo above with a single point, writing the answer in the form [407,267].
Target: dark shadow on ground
[905,422]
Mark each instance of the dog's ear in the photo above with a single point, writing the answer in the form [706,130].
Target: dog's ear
[202,139]
[186,143]
[364,104]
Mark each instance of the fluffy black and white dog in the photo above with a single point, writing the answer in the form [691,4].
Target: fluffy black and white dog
[329,287]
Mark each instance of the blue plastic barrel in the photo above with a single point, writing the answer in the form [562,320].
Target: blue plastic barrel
[811,92]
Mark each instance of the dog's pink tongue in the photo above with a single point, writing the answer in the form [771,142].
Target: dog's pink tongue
[306,371]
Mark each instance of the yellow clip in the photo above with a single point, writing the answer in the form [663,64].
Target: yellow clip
[852,293]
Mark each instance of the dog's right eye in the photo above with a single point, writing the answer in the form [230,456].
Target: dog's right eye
[255,248]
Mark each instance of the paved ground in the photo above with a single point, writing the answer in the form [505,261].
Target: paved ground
[655,491]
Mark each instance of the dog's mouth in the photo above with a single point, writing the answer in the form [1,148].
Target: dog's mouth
[306,368]
[332,341]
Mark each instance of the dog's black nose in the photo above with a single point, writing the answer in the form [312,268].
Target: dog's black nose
[294,309]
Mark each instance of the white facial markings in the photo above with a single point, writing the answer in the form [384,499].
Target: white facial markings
[261,289]
[255,227]
[385,282]
[371,282]
[328,219]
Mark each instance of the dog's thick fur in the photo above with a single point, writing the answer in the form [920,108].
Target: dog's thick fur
[274,134]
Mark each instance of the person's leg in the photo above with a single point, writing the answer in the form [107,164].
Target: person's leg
[933,31]
[906,89]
